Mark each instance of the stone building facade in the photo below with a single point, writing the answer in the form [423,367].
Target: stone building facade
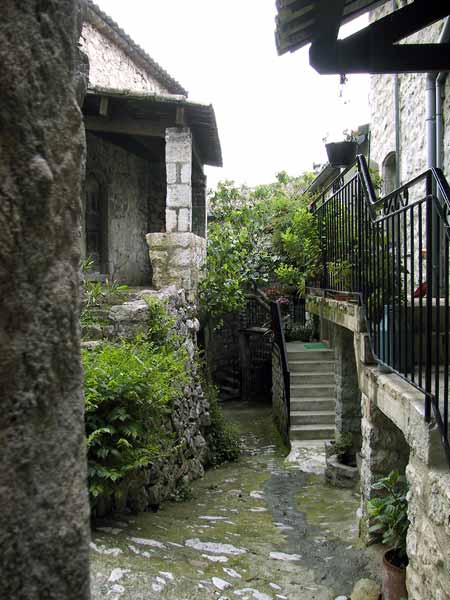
[408,116]
[145,190]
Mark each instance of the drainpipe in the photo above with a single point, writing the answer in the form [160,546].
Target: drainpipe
[397,118]
[434,139]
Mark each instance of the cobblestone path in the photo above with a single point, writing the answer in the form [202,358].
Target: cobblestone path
[258,529]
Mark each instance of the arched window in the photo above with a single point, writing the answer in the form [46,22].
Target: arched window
[390,172]
[95,224]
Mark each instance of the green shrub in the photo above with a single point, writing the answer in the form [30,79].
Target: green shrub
[129,387]
[222,437]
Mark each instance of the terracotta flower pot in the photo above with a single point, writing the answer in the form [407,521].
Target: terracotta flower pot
[393,579]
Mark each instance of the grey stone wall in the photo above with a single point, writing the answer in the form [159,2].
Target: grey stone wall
[126,183]
[429,532]
[44,516]
[111,67]
[189,416]
[279,407]
[412,112]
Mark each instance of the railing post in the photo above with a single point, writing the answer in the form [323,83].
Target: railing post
[429,296]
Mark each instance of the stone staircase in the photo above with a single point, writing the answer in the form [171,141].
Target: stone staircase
[313,392]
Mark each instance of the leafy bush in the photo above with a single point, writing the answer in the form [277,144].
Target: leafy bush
[222,437]
[256,237]
[389,512]
[129,387]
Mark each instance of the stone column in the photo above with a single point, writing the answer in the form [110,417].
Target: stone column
[179,179]
[44,516]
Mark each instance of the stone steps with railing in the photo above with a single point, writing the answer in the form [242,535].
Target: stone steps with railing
[313,391]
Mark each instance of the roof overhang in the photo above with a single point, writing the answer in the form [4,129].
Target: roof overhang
[374,49]
[144,115]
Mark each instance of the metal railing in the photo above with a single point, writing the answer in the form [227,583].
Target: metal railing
[279,339]
[392,255]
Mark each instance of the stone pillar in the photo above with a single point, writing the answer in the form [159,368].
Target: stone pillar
[348,395]
[179,179]
[44,516]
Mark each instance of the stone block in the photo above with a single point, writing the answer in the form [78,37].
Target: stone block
[171,171]
[171,220]
[178,145]
[185,172]
[184,219]
[179,195]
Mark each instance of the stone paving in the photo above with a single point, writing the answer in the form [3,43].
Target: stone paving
[264,528]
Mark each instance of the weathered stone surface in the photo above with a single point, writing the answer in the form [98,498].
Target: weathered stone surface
[429,532]
[112,67]
[44,517]
[177,259]
[365,589]
[125,185]
[340,475]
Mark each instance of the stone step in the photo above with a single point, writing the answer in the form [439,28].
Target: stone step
[310,378]
[311,366]
[310,355]
[313,391]
[316,417]
[311,432]
[312,404]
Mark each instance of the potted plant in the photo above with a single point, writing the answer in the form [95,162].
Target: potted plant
[389,515]
[342,154]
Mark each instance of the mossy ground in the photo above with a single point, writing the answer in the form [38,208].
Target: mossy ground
[256,506]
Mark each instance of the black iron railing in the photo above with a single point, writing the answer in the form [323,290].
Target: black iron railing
[392,255]
[279,339]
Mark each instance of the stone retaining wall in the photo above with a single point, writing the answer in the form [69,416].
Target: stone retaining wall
[189,418]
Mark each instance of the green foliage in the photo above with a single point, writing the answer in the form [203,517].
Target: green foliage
[343,445]
[297,332]
[389,512]
[129,387]
[256,236]
[222,437]
[341,271]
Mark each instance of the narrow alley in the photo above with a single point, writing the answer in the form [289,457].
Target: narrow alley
[260,528]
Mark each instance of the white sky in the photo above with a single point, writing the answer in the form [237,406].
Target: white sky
[272,112]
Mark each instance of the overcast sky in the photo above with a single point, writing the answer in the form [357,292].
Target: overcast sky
[272,112]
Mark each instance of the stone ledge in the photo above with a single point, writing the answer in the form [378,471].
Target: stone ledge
[404,405]
[345,314]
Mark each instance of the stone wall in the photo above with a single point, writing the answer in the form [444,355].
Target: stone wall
[279,406]
[44,516]
[429,532]
[412,112]
[112,68]
[125,182]
[189,417]
[396,436]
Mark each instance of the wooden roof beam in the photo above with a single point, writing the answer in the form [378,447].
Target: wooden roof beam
[373,49]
